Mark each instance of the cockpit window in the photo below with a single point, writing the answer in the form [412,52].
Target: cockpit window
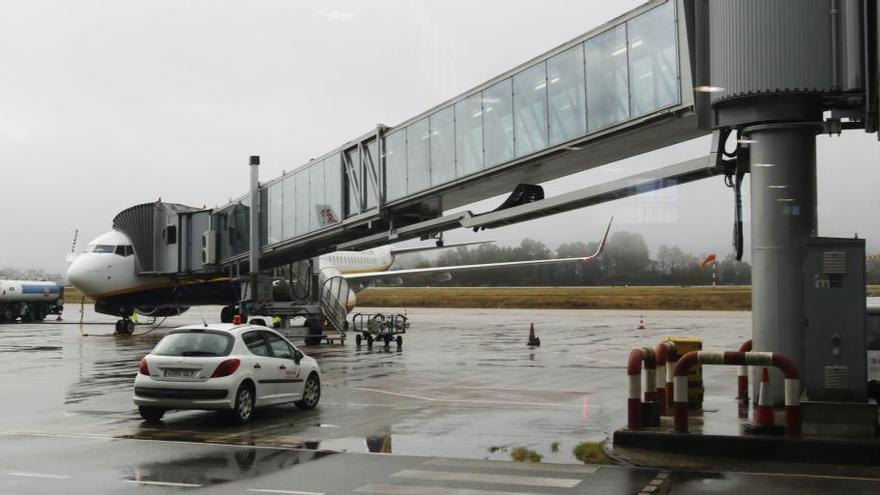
[104,248]
[124,250]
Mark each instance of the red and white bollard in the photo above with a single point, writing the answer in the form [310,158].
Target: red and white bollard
[764,413]
[742,375]
[634,372]
[665,354]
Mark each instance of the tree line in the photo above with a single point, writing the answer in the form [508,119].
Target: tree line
[626,260]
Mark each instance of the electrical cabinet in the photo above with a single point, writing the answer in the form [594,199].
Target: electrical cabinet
[834,321]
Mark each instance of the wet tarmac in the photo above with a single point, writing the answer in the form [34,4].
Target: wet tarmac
[464,386]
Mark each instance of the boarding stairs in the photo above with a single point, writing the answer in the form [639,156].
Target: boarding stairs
[332,301]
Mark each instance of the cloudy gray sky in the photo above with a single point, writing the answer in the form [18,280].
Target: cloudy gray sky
[104,105]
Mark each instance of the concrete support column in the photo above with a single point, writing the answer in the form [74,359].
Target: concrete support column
[783,215]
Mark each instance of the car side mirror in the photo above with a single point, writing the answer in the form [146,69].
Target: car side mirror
[297,356]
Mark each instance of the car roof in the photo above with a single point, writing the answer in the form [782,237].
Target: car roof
[224,327]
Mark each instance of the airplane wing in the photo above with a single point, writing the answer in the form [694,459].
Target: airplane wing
[451,269]
[417,249]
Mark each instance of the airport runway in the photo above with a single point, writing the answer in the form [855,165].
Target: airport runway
[465,386]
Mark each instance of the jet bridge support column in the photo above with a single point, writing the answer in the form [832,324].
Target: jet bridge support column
[254,247]
[783,216]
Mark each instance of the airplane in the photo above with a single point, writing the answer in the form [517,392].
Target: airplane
[106,272]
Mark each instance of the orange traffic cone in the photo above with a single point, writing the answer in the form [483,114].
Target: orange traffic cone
[764,412]
[641,323]
[533,341]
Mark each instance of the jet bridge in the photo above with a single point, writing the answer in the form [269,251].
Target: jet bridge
[764,76]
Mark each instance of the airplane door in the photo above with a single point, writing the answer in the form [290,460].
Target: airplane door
[263,366]
[290,383]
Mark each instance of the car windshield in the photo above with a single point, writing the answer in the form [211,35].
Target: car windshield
[194,343]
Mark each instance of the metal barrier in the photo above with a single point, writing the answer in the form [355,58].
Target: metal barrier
[781,361]
[634,371]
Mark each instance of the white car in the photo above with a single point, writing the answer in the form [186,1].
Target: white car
[228,367]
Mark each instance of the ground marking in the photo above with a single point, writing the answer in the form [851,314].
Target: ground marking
[428,490]
[287,492]
[38,475]
[468,401]
[164,483]
[809,476]
[514,466]
[501,479]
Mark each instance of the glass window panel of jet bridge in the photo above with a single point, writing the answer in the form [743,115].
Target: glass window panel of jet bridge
[469,135]
[442,124]
[276,211]
[395,165]
[316,196]
[417,153]
[653,60]
[530,109]
[288,216]
[302,201]
[607,88]
[353,179]
[498,122]
[371,159]
[566,90]
[332,189]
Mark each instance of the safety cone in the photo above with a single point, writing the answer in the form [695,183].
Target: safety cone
[533,341]
[764,419]
[641,322]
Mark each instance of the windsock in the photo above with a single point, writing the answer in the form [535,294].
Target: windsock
[709,259]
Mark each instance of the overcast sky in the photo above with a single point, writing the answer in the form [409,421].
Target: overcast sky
[107,104]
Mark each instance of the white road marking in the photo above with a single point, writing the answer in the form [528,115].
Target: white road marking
[466,401]
[429,490]
[514,466]
[288,492]
[164,483]
[808,476]
[38,475]
[500,479]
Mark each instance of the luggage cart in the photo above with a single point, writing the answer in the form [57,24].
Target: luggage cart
[371,327]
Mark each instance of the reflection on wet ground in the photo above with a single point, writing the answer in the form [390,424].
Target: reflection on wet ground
[465,384]
[220,466]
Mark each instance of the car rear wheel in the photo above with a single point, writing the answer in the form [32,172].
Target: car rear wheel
[244,404]
[151,414]
[311,393]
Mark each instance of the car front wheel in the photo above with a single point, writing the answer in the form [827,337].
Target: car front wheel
[244,404]
[151,414]
[311,393]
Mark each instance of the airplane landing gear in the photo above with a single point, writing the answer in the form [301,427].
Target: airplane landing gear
[124,326]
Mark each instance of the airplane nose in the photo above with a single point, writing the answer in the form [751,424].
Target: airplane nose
[82,275]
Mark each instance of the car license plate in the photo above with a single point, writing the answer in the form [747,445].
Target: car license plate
[179,373]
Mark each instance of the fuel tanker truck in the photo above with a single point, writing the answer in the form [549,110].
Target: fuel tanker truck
[29,300]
